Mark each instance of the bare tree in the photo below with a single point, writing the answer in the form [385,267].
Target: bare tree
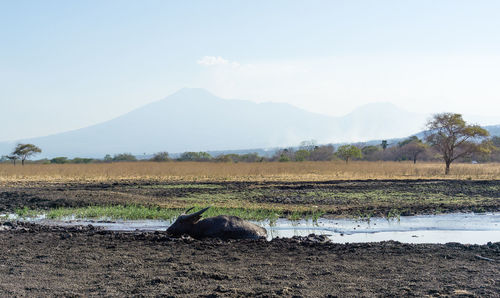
[325,152]
[308,145]
[413,147]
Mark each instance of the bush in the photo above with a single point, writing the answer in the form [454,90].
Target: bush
[160,156]
[284,158]
[82,160]
[226,158]
[195,156]
[59,160]
[124,157]
[302,155]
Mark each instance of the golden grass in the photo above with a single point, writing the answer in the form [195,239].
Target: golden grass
[267,171]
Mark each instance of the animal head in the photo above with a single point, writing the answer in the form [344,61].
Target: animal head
[185,222]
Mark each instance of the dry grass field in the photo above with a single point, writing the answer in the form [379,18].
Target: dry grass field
[270,171]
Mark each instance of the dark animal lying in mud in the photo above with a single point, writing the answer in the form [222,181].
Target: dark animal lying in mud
[222,226]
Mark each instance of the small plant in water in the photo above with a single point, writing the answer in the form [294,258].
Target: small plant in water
[27,212]
[394,214]
[365,216]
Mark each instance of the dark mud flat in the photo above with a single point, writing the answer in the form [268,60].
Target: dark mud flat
[84,261]
[344,198]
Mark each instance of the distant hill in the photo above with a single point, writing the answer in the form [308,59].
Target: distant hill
[493,129]
[196,120]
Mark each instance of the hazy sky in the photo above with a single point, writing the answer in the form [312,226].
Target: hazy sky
[69,64]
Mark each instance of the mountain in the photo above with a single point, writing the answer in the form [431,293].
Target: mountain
[196,120]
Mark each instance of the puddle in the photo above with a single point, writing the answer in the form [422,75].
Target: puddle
[466,228]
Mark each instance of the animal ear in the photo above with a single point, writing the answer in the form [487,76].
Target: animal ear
[195,216]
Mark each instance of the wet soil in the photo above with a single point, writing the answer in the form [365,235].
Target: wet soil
[373,197]
[85,261]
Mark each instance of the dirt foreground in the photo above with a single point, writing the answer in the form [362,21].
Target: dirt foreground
[84,261]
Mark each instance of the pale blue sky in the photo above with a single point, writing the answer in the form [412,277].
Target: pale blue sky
[69,64]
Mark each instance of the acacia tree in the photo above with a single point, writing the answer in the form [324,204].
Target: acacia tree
[12,158]
[453,138]
[25,151]
[347,152]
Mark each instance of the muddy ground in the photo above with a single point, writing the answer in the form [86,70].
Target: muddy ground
[48,261]
[363,197]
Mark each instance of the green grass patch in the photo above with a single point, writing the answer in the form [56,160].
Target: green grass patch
[130,212]
[133,212]
[27,212]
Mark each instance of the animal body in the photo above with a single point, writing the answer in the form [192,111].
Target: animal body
[222,226]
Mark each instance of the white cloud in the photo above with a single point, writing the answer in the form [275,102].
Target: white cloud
[213,60]
[337,85]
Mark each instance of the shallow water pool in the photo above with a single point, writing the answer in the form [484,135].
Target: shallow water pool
[466,228]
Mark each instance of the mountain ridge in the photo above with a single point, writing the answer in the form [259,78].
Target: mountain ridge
[196,120]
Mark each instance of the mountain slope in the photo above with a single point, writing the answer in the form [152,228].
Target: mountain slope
[195,120]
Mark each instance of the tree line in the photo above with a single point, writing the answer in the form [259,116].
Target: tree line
[448,138]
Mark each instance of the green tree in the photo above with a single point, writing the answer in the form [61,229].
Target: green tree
[59,160]
[302,155]
[124,157]
[454,138]
[25,151]
[81,160]
[284,158]
[347,152]
[369,150]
